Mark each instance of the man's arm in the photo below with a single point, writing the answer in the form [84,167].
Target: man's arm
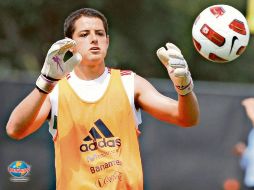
[185,111]
[29,115]
[32,112]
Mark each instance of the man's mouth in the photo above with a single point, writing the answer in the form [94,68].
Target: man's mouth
[95,49]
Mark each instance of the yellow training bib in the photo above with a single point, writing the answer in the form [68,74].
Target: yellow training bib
[96,146]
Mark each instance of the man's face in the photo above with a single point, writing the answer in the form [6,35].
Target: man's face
[92,41]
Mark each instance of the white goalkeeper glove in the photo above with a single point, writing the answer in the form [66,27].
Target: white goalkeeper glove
[177,67]
[54,67]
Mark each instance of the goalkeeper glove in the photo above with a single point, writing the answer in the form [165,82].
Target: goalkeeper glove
[55,68]
[177,67]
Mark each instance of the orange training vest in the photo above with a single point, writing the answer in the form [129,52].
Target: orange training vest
[96,145]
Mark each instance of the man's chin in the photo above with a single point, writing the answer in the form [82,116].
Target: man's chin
[95,57]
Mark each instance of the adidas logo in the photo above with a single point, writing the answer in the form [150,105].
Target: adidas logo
[101,137]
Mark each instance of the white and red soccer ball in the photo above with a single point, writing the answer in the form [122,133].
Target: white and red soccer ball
[220,33]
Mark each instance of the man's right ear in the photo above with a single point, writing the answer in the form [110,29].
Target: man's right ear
[108,39]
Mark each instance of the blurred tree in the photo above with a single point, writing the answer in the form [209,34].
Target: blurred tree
[137,30]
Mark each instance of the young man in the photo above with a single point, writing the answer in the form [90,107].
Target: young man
[94,110]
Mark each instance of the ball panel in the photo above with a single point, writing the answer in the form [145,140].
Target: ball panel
[217,11]
[240,50]
[213,36]
[238,26]
[196,44]
[216,58]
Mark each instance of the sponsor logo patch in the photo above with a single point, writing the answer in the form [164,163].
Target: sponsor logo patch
[104,181]
[99,137]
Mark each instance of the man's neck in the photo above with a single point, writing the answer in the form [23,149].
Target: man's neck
[89,72]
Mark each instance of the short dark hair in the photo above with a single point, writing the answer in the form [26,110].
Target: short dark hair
[69,23]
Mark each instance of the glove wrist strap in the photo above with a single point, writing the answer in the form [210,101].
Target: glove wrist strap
[184,90]
[45,84]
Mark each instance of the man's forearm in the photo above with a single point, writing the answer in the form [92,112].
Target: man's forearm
[189,109]
[25,113]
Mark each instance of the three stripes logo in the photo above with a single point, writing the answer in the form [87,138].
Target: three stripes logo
[99,137]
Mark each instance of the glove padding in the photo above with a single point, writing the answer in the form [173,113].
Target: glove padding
[54,67]
[177,67]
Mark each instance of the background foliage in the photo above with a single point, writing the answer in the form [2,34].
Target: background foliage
[137,29]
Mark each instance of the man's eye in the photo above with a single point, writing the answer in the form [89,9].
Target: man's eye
[100,33]
[83,35]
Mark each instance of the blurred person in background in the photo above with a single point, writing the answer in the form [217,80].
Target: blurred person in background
[94,111]
[246,152]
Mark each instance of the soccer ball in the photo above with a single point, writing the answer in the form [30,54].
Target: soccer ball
[220,33]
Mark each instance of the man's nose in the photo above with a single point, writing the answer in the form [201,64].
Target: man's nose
[94,38]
